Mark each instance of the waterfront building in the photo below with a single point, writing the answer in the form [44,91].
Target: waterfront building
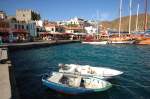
[31,28]
[53,31]
[39,23]
[77,22]
[91,30]
[52,27]
[77,31]
[3,15]
[74,29]
[27,15]
[39,27]
[12,31]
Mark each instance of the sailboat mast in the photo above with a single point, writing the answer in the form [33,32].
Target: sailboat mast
[120,17]
[137,17]
[145,21]
[130,17]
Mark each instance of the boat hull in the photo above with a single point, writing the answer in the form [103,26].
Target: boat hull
[96,43]
[97,72]
[70,90]
[62,88]
[65,89]
[122,42]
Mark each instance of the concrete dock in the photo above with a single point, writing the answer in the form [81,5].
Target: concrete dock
[5,87]
[28,45]
[3,54]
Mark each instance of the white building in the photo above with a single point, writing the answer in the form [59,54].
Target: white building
[76,21]
[91,30]
[31,28]
[39,26]
[39,23]
[2,15]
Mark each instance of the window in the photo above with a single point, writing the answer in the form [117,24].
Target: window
[22,27]
[15,26]
[23,15]
[27,27]
[52,29]
[57,29]
[19,26]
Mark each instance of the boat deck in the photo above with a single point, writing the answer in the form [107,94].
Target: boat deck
[55,78]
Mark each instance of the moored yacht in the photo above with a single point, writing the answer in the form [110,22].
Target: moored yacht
[87,70]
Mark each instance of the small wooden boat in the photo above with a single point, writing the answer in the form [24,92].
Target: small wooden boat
[96,43]
[74,84]
[99,72]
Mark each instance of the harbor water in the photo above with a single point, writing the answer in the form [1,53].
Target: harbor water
[133,60]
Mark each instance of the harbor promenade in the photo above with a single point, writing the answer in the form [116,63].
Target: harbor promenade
[5,87]
[27,45]
[5,92]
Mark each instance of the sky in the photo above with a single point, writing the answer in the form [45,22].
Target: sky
[66,9]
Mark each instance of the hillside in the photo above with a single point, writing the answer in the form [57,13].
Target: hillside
[125,23]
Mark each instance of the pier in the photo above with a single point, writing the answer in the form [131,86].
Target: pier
[5,92]
[18,46]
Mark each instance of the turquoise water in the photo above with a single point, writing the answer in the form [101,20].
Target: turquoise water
[133,60]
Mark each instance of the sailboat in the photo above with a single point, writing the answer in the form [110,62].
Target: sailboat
[119,40]
[146,39]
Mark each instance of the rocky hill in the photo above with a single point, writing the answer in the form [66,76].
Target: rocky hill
[125,23]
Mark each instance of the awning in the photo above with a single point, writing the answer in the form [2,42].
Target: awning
[80,33]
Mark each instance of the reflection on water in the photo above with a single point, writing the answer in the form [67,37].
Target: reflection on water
[131,59]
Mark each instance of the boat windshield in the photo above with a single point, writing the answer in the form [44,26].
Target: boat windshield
[65,67]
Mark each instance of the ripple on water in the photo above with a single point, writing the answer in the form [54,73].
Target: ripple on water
[133,60]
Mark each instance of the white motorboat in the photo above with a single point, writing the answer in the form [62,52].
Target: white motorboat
[95,43]
[123,42]
[87,70]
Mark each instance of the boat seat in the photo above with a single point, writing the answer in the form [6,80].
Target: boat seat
[77,81]
[56,77]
